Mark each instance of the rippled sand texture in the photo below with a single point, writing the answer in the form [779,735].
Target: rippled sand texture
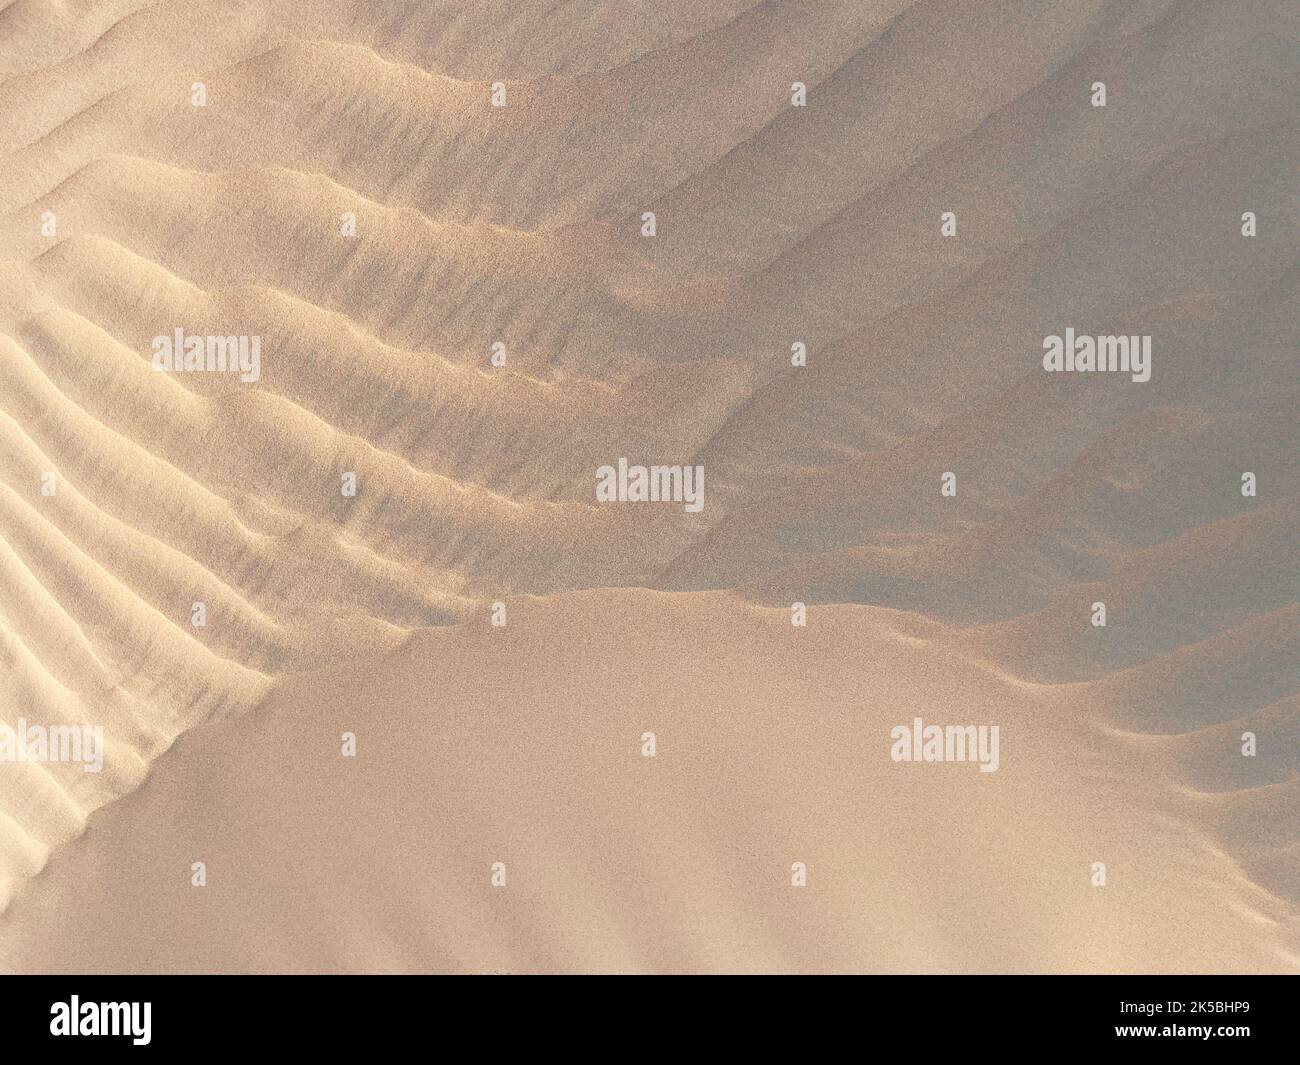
[126,211]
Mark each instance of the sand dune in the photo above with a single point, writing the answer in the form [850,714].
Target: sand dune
[522,745]
[194,164]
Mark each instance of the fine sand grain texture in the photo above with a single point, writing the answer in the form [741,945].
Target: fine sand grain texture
[384,666]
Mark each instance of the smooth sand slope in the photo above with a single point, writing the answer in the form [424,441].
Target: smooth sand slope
[128,495]
[523,746]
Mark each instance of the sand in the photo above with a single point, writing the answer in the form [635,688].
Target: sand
[194,165]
